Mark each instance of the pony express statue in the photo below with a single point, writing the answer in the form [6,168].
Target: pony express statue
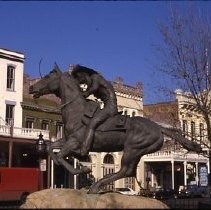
[134,136]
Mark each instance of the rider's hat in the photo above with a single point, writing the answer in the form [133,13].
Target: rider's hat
[82,69]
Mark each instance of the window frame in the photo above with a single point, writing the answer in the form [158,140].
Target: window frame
[45,125]
[10,77]
[9,114]
[185,128]
[59,130]
[29,121]
[193,130]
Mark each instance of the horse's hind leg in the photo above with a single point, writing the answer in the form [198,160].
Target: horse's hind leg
[129,163]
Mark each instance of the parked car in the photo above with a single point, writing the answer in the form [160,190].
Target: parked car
[126,191]
[164,193]
[192,191]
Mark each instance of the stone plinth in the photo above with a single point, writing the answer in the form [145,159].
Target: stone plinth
[78,199]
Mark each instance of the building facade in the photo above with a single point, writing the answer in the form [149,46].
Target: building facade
[172,166]
[17,143]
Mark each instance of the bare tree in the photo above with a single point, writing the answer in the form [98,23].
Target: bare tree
[186,59]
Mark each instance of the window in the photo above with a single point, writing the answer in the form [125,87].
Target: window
[133,113]
[10,77]
[108,159]
[125,112]
[201,132]
[29,123]
[44,125]
[184,127]
[108,168]
[59,130]
[193,130]
[9,118]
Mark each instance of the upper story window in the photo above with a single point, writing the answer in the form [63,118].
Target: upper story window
[184,127]
[193,130]
[59,130]
[108,159]
[9,118]
[201,132]
[29,123]
[10,77]
[44,125]
[125,112]
[133,114]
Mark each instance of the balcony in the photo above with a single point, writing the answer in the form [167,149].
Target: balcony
[169,155]
[27,133]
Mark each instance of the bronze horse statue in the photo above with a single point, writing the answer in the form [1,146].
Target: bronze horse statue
[139,136]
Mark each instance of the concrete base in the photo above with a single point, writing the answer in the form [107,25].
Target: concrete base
[78,199]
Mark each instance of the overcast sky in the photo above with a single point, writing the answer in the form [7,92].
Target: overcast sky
[113,37]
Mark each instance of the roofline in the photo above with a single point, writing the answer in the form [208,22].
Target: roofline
[1,48]
[159,103]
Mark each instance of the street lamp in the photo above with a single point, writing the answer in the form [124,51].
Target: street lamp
[41,149]
[40,144]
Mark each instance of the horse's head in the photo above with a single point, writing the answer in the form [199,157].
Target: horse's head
[48,84]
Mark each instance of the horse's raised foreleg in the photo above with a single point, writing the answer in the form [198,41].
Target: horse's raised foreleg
[69,148]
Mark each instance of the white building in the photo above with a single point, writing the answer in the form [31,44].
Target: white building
[11,85]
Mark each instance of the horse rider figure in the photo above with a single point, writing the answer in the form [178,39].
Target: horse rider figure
[101,89]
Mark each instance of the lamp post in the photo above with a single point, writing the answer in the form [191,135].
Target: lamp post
[40,145]
[41,149]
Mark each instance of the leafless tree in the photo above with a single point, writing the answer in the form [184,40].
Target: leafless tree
[186,59]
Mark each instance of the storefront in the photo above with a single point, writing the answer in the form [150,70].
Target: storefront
[172,169]
[15,152]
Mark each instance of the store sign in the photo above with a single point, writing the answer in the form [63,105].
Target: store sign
[203,176]
[43,165]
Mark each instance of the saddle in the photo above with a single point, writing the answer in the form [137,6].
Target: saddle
[115,123]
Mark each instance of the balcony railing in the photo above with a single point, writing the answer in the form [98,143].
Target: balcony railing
[28,133]
[173,155]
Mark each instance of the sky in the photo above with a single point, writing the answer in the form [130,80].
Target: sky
[114,37]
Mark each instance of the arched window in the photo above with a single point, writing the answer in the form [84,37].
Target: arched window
[125,112]
[108,159]
[108,168]
[133,113]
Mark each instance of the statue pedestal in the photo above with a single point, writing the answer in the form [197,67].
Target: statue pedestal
[78,199]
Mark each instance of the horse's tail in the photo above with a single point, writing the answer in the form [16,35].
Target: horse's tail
[177,135]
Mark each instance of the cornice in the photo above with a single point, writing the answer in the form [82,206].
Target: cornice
[42,108]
